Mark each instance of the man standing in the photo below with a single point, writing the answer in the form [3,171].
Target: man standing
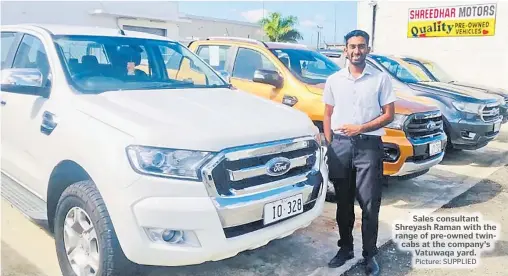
[359,102]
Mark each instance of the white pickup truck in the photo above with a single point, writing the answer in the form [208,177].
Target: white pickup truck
[164,165]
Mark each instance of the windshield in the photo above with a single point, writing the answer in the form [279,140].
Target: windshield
[309,66]
[437,71]
[402,70]
[97,64]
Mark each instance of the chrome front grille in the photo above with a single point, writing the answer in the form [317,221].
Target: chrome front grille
[244,170]
[490,113]
[242,180]
[424,125]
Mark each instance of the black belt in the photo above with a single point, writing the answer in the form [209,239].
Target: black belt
[357,137]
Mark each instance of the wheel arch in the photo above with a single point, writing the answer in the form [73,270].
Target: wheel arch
[64,174]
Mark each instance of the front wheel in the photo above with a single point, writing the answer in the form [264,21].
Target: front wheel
[85,238]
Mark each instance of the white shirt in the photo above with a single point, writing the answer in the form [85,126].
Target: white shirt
[358,101]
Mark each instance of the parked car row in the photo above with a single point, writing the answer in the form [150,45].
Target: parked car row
[431,117]
[140,150]
[472,114]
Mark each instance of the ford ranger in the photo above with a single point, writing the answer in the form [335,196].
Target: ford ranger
[148,168]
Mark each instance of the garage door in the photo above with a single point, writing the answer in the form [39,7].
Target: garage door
[155,31]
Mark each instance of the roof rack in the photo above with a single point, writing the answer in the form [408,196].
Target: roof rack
[242,39]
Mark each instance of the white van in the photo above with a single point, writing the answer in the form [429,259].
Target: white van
[147,165]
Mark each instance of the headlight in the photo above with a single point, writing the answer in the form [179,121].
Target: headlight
[468,107]
[398,121]
[167,162]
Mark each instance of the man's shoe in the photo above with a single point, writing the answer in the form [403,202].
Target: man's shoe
[372,267]
[340,259]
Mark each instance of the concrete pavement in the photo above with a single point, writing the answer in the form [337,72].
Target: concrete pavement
[308,250]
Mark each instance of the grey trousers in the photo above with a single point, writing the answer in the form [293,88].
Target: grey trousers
[356,169]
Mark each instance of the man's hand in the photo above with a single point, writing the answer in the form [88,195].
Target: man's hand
[351,130]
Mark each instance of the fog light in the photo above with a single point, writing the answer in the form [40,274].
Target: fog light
[172,237]
[165,235]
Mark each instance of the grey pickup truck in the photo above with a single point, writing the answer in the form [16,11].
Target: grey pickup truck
[471,118]
[436,73]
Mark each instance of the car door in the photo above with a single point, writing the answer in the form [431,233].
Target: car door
[246,62]
[26,115]
[11,158]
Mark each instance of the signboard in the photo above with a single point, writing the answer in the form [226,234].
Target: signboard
[452,21]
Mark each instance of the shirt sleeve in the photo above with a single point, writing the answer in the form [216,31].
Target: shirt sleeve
[386,95]
[327,94]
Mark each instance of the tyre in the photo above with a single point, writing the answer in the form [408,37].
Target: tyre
[85,238]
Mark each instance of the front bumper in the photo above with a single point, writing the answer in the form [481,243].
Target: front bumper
[473,134]
[214,228]
[421,160]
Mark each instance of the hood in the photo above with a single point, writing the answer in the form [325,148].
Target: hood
[200,119]
[405,104]
[454,91]
[408,103]
[483,88]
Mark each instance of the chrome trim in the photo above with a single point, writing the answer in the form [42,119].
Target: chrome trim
[254,151]
[246,205]
[243,210]
[495,111]
[260,150]
[426,115]
[413,167]
[262,170]
[269,186]
[422,140]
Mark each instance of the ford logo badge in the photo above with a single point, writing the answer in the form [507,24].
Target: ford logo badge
[431,125]
[278,166]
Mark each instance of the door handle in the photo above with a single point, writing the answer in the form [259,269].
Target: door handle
[3,102]
[49,122]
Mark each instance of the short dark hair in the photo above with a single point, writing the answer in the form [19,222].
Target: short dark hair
[361,33]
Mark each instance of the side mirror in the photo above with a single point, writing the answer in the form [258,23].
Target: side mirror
[27,81]
[27,77]
[268,77]
[225,75]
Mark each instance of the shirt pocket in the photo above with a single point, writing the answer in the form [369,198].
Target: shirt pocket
[369,101]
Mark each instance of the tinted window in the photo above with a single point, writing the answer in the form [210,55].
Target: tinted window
[309,66]
[248,61]
[31,54]
[397,70]
[214,55]
[7,41]
[126,63]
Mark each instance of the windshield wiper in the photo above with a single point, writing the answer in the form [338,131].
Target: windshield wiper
[170,85]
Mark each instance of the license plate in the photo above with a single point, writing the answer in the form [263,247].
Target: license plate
[435,148]
[283,208]
[497,127]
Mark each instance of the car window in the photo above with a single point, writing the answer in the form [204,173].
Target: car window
[307,65]
[31,54]
[7,42]
[97,64]
[248,61]
[214,55]
[398,70]
[181,68]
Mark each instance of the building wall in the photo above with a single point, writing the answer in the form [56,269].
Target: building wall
[483,60]
[158,15]
[80,13]
[206,27]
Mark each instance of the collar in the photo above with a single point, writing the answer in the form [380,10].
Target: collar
[368,70]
